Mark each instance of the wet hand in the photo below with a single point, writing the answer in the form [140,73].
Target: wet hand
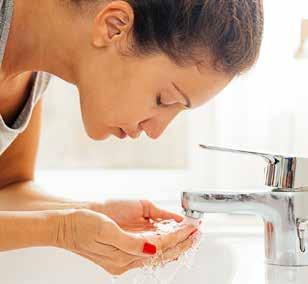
[134,215]
[98,238]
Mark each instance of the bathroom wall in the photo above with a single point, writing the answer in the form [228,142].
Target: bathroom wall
[266,109]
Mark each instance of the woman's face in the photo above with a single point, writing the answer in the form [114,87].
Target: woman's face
[127,94]
[123,95]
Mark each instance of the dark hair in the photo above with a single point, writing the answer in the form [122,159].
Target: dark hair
[228,32]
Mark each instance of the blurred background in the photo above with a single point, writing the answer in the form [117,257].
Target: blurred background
[264,110]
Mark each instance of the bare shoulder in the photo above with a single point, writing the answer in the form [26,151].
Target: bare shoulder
[13,95]
[17,163]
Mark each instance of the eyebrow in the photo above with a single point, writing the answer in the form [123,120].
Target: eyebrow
[187,99]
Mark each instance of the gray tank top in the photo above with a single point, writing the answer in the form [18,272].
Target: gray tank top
[9,133]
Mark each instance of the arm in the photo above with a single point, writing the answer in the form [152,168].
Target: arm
[28,229]
[18,192]
[27,196]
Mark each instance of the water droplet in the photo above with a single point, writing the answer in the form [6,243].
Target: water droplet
[150,274]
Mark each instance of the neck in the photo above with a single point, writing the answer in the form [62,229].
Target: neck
[38,41]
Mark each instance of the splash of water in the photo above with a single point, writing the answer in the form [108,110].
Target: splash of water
[152,272]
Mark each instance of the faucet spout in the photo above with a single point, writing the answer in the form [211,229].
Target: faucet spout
[228,203]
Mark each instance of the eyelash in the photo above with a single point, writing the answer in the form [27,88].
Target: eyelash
[158,100]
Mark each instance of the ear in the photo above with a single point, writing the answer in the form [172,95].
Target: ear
[112,23]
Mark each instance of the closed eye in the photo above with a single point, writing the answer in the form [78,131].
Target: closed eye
[158,100]
[160,103]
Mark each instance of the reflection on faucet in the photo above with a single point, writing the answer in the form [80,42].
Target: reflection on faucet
[279,210]
[284,209]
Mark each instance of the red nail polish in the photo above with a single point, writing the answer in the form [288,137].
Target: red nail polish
[193,232]
[149,248]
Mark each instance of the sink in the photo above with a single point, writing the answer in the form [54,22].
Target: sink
[223,257]
[231,251]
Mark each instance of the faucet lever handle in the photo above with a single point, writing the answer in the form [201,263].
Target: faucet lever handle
[282,172]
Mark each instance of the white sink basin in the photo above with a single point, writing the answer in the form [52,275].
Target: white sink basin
[216,261]
[222,258]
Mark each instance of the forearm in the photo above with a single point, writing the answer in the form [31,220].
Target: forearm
[28,229]
[26,196]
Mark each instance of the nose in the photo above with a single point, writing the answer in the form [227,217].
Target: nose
[154,131]
[155,126]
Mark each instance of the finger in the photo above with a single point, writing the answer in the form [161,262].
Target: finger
[100,261]
[109,250]
[175,252]
[179,235]
[133,244]
[139,227]
[157,213]
[134,265]
[99,248]
[122,259]
[153,212]
[116,258]
[168,256]
[114,267]
[102,249]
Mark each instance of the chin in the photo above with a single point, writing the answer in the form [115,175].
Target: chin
[98,136]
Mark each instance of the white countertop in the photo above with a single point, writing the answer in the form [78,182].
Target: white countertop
[232,250]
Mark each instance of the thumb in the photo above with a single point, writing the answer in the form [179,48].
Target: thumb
[150,210]
[134,244]
[158,213]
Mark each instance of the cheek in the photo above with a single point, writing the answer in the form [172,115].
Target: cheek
[128,108]
[127,114]
[115,104]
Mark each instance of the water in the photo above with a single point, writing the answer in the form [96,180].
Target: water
[153,272]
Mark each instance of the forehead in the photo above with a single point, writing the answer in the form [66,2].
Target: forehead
[200,84]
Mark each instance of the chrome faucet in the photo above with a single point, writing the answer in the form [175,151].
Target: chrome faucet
[283,206]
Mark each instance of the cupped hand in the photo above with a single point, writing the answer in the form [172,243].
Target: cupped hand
[134,215]
[99,239]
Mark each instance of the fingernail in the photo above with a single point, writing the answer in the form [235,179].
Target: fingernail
[193,232]
[149,248]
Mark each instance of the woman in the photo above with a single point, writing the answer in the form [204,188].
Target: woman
[137,64]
